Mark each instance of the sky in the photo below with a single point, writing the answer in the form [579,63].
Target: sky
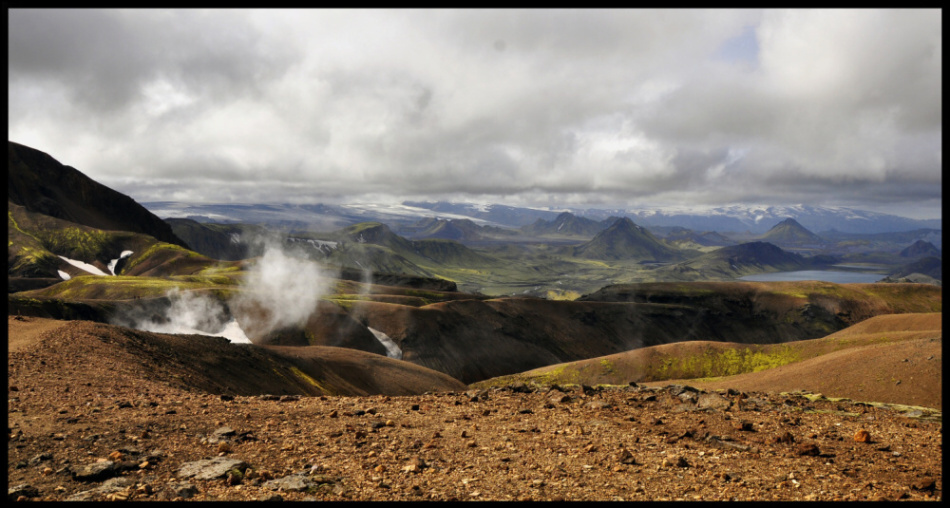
[550,108]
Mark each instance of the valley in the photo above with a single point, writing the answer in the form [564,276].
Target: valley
[498,323]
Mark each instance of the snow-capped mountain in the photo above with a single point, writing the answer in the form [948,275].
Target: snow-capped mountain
[760,218]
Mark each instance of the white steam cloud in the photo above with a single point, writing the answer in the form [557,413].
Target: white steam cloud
[188,313]
[280,291]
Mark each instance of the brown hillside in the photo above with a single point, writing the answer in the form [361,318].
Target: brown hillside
[476,340]
[102,413]
[115,354]
[863,362]
[908,372]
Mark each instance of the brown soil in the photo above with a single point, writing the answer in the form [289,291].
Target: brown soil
[895,358]
[82,392]
[907,372]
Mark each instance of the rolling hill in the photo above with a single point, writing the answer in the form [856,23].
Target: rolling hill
[473,340]
[735,261]
[860,362]
[930,266]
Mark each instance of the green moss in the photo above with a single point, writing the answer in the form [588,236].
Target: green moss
[220,280]
[728,362]
[16,227]
[29,256]
[155,249]
[345,304]
[220,269]
[302,375]
[86,245]
[119,287]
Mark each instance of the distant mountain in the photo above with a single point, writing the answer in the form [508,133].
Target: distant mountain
[687,238]
[887,241]
[498,214]
[921,270]
[626,240]
[920,249]
[790,233]
[41,184]
[460,230]
[738,260]
[374,247]
[756,219]
[730,219]
[217,241]
[566,224]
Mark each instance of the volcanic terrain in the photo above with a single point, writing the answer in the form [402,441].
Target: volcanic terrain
[104,412]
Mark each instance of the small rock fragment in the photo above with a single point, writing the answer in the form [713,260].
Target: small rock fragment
[807,449]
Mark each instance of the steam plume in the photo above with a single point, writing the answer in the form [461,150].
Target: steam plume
[186,312]
[280,290]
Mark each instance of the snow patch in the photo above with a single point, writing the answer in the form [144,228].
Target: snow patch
[64,275]
[231,331]
[111,265]
[83,266]
[392,350]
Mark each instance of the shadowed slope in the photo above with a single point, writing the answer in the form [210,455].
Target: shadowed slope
[43,185]
[214,365]
[475,340]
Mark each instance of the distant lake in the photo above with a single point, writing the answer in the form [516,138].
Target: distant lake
[836,276]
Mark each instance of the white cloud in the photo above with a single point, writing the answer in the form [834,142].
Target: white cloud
[280,105]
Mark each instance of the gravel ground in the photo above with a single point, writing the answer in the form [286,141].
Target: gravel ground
[85,422]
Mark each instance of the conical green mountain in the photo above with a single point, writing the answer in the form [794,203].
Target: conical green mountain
[625,240]
[790,232]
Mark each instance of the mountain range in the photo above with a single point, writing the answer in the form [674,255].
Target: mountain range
[753,220]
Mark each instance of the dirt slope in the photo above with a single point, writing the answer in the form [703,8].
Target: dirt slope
[863,362]
[908,372]
[84,349]
[477,340]
[105,413]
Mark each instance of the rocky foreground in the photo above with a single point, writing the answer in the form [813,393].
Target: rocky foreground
[512,443]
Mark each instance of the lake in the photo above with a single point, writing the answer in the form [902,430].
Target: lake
[836,276]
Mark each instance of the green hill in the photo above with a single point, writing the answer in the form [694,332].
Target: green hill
[790,232]
[736,261]
[624,240]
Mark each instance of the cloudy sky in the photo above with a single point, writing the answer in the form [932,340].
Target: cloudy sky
[539,108]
